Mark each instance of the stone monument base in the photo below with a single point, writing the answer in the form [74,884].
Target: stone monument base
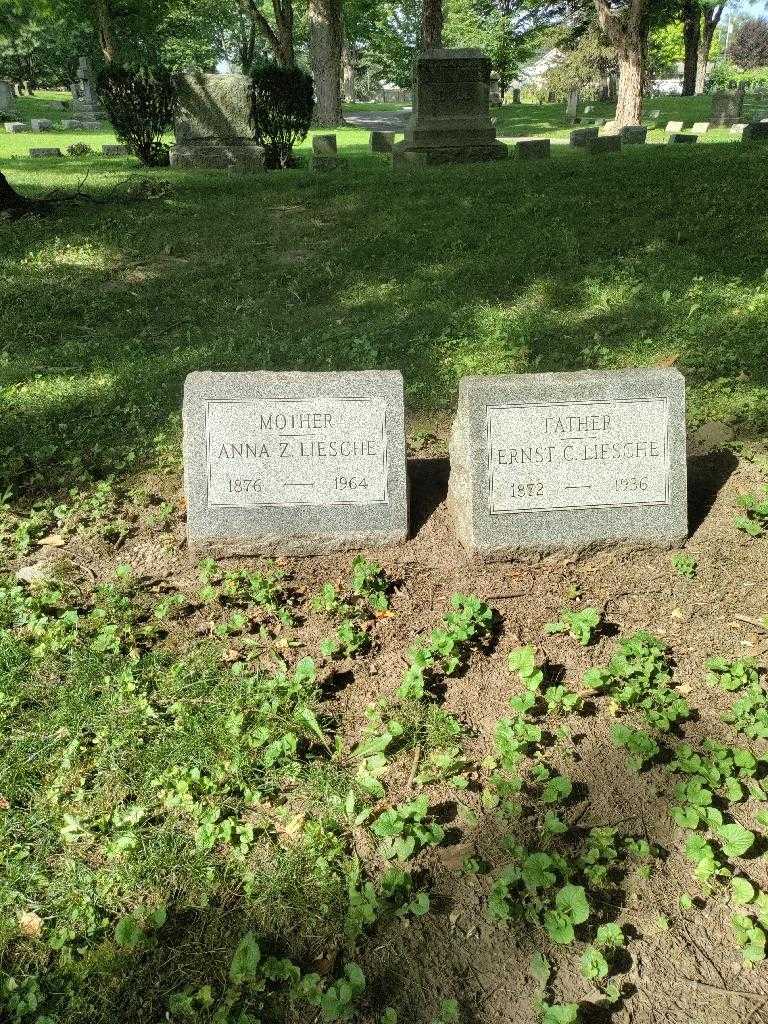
[407,154]
[239,155]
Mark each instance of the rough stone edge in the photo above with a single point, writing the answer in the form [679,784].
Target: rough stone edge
[460,478]
[300,546]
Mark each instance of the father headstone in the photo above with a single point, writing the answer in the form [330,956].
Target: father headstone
[86,105]
[555,460]
[294,463]
[212,124]
[727,106]
[451,122]
[7,98]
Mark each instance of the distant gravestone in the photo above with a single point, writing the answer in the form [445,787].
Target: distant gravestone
[673,127]
[633,134]
[515,95]
[41,152]
[382,142]
[114,149]
[681,139]
[212,124]
[14,127]
[549,461]
[757,131]
[532,149]
[727,107]
[41,124]
[737,129]
[581,136]
[700,128]
[572,106]
[85,104]
[654,115]
[451,120]
[7,98]
[294,463]
[604,144]
[324,145]
[71,124]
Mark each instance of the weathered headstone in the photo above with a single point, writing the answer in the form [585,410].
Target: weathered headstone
[86,105]
[451,122]
[682,139]
[700,127]
[324,145]
[294,463]
[41,152]
[212,124]
[7,98]
[516,95]
[114,149]
[737,129]
[604,144]
[654,115]
[14,127]
[93,126]
[581,136]
[673,127]
[532,149]
[727,106]
[611,127]
[633,134]
[556,460]
[572,106]
[382,142]
[757,131]
[71,124]
[41,124]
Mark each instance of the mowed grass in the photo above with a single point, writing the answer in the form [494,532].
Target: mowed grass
[651,256]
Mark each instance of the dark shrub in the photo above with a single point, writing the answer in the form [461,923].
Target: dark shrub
[282,100]
[141,103]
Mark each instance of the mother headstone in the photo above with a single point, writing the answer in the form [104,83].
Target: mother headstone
[294,463]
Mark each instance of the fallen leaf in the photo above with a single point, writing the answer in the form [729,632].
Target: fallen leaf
[4,805]
[30,924]
[53,540]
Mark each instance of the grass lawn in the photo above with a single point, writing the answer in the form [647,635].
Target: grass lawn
[216,803]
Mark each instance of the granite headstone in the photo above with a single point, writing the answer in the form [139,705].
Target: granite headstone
[212,123]
[557,460]
[294,463]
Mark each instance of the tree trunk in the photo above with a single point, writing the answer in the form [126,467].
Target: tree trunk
[431,24]
[691,13]
[712,17]
[627,30]
[280,38]
[348,72]
[105,30]
[325,36]
[629,100]
[13,206]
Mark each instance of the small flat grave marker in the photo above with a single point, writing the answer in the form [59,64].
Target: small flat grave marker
[673,127]
[382,142]
[532,149]
[40,152]
[700,128]
[14,127]
[556,460]
[581,136]
[294,463]
[604,144]
[682,139]
[41,124]
[114,149]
